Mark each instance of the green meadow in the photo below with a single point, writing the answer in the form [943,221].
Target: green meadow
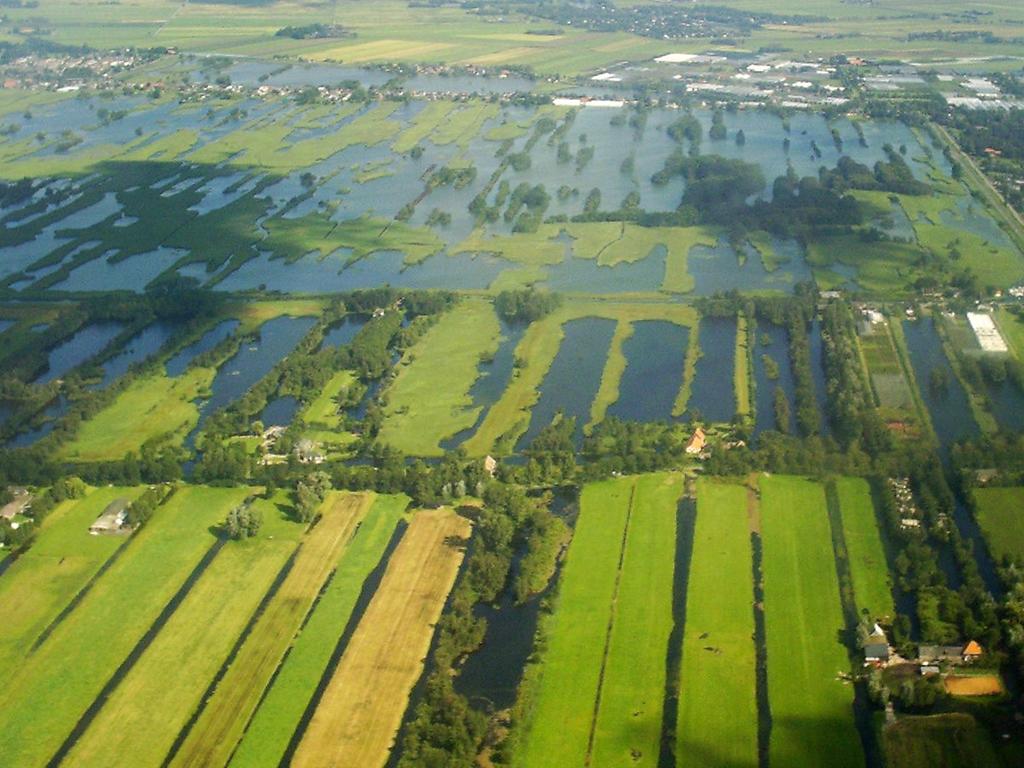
[628,726]
[869,569]
[51,690]
[812,715]
[158,695]
[59,566]
[1000,513]
[558,728]
[429,399]
[717,718]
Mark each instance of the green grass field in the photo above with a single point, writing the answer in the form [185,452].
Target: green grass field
[266,738]
[741,368]
[628,728]
[53,688]
[429,399]
[717,720]
[57,567]
[868,567]
[1000,513]
[155,407]
[611,376]
[323,417]
[812,715]
[158,695]
[558,727]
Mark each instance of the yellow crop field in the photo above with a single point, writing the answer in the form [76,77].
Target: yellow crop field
[362,707]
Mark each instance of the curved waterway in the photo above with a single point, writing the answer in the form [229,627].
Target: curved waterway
[252,362]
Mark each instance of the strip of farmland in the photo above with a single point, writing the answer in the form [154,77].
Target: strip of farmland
[717,723]
[158,694]
[45,579]
[53,688]
[869,569]
[219,728]
[628,727]
[361,709]
[559,726]
[267,737]
[811,707]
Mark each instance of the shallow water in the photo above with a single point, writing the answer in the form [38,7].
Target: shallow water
[343,331]
[142,346]
[764,392]
[655,358]
[253,361]
[180,361]
[713,393]
[493,376]
[84,344]
[574,377]
[279,412]
[948,406]
[131,274]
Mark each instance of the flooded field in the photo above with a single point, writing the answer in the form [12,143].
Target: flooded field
[273,194]
[574,377]
[655,355]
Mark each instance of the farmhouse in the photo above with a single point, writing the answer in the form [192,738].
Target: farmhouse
[876,647]
[112,519]
[697,442]
[17,505]
[954,654]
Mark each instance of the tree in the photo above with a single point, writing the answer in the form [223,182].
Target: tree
[243,522]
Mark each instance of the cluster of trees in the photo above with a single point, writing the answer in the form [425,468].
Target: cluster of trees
[444,728]
[314,31]
[892,176]
[850,400]
[617,446]
[310,493]
[141,510]
[1003,452]
[526,304]
[944,614]
[651,20]
[979,370]
[243,522]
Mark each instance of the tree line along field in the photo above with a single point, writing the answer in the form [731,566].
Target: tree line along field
[221,646]
[617,583]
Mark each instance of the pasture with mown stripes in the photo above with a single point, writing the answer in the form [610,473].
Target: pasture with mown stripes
[57,570]
[54,687]
[629,716]
[717,719]
[359,714]
[602,682]
[149,706]
[224,716]
[268,734]
[811,705]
